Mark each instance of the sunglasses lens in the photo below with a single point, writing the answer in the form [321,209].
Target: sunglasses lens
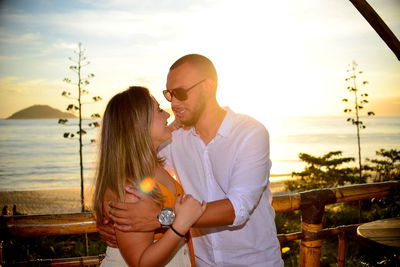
[167,95]
[180,94]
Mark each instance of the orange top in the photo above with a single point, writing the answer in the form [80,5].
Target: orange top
[169,202]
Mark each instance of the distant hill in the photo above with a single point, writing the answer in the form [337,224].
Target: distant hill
[40,112]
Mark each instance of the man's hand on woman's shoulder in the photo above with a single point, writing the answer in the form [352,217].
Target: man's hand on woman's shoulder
[107,233]
[137,215]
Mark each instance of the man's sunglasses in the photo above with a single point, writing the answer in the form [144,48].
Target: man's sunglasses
[180,93]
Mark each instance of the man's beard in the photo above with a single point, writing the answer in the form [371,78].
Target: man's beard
[198,110]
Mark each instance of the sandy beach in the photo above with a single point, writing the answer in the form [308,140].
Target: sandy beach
[58,201]
[51,201]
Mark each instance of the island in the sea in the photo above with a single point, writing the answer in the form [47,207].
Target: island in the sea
[40,112]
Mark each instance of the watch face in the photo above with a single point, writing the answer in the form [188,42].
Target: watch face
[166,216]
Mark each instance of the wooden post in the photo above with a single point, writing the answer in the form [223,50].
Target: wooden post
[312,210]
[379,25]
[310,250]
[342,249]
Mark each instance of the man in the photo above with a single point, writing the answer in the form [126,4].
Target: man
[223,158]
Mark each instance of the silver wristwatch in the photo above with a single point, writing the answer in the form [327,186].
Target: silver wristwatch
[166,217]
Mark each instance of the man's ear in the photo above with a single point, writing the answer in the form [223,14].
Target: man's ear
[211,87]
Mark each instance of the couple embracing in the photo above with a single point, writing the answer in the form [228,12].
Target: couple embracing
[216,211]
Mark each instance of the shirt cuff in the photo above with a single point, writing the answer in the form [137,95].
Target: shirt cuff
[241,213]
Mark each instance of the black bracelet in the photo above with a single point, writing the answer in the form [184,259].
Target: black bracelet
[176,232]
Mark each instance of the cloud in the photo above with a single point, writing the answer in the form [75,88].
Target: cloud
[64,45]
[119,24]
[138,21]
[9,84]
[389,106]
[5,58]
[11,37]
[22,86]
[154,5]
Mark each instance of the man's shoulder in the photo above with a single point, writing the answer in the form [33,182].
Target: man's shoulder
[247,119]
[244,122]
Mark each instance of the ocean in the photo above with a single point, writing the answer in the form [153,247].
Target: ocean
[34,154]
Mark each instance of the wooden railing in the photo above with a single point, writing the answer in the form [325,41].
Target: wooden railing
[310,203]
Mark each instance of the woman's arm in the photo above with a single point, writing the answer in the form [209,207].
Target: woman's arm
[139,248]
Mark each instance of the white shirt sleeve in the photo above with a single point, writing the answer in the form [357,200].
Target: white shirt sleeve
[250,175]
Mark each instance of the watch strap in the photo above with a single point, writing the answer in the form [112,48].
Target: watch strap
[176,232]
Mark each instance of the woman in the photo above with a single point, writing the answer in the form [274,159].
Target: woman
[133,128]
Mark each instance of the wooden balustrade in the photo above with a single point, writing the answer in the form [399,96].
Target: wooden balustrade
[50,225]
[311,203]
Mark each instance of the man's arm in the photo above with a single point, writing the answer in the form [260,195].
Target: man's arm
[125,217]
[218,213]
[250,175]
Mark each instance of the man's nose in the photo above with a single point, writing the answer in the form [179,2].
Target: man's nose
[173,99]
[174,102]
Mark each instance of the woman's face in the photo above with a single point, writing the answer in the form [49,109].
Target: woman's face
[159,131]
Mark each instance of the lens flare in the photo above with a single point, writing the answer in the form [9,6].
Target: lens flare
[147,185]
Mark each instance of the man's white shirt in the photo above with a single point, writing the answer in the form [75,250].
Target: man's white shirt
[234,165]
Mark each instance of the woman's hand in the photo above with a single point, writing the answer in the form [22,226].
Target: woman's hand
[187,210]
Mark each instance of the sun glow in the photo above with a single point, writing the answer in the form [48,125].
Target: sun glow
[147,185]
[260,71]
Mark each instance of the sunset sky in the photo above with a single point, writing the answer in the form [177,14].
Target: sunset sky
[273,57]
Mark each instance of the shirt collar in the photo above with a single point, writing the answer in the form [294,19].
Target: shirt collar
[226,124]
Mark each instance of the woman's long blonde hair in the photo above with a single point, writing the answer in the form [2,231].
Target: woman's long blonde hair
[126,152]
